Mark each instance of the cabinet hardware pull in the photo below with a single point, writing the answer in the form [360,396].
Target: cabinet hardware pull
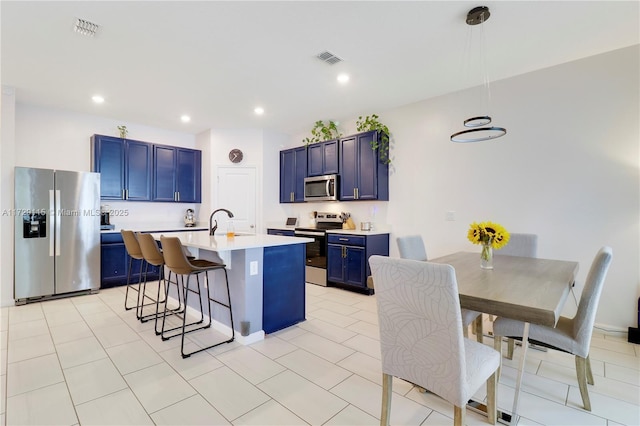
[52,208]
[58,223]
[124,194]
[343,239]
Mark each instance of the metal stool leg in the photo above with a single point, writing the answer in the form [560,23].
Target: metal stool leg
[210,311]
[176,311]
[129,285]
[142,295]
[185,292]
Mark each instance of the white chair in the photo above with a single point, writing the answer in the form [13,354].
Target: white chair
[522,245]
[572,335]
[412,247]
[421,335]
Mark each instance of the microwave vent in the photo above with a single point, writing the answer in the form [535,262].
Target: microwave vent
[328,57]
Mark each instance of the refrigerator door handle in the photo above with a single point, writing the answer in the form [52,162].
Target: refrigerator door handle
[52,210]
[58,220]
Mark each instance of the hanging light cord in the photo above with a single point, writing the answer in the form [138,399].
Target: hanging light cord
[476,132]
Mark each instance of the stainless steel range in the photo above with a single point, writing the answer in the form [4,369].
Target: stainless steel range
[316,266]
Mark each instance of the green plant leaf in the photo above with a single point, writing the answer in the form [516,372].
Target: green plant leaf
[372,123]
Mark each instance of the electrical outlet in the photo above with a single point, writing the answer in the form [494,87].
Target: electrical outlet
[253,267]
[450,216]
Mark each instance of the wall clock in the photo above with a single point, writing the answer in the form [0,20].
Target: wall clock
[235,155]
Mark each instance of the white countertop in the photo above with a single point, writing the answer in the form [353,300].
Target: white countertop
[202,240]
[156,227]
[357,231]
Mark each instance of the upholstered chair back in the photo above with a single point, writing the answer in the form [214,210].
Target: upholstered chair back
[420,325]
[412,247]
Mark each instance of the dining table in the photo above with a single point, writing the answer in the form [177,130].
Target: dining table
[527,289]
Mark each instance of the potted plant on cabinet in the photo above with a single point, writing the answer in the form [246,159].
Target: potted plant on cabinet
[323,132]
[370,123]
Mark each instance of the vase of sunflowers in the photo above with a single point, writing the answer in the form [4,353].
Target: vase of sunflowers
[490,236]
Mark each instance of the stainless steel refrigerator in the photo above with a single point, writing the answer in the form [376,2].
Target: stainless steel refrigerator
[57,233]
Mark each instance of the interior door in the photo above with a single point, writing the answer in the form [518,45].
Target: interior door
[236,191]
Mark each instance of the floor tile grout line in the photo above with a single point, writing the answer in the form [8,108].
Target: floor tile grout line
[123,375]
[115,367]
[66,383]
[605,363]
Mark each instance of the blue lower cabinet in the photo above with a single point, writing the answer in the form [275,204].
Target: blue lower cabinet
[284,232]
[114,263]
[347,259]
[283,287]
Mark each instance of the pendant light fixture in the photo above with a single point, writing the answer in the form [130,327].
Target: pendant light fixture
[478,128]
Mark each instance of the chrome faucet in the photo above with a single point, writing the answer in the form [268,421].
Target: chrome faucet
[212,227]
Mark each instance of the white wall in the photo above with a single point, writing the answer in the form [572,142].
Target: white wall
[7,154]
[568,170]
[261,150]
[34,136]
[59,139]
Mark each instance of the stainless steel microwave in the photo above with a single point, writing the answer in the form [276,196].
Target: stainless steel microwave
[321,188]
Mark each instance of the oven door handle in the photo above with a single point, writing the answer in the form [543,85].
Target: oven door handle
[309,234]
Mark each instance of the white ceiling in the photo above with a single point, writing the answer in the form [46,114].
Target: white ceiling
[215,61]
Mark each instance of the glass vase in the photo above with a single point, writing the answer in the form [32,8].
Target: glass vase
[486,256]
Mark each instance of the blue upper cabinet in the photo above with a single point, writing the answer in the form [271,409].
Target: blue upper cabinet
[177,174]
[188,179]
[164,173]
[139,171]
[124,166]
[322,158]
[293,170]
[363,176]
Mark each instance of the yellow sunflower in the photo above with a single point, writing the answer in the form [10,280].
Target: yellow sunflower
[474,233]
[488,232]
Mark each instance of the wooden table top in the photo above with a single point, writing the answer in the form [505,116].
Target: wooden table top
[522,288]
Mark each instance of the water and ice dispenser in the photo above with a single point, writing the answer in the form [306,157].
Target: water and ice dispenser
[34,225]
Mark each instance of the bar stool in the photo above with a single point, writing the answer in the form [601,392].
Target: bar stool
[134,252]
[153,256]
[177,262]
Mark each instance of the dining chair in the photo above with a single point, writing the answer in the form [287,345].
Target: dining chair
[412,247]
[421,336]
[571,335]
[522,245]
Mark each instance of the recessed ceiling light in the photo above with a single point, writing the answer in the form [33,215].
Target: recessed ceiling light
[97,99]
[258,110]
[343,78]
[185,118]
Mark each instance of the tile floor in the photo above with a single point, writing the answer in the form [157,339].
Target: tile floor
[85,360]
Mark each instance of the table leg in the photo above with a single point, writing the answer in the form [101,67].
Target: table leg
[525,345]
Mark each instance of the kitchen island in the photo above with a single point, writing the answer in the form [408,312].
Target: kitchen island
[266,279]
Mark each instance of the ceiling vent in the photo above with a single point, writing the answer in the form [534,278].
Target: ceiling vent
[85,27]
[328,57]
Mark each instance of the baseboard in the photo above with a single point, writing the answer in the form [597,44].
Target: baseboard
[610,329]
